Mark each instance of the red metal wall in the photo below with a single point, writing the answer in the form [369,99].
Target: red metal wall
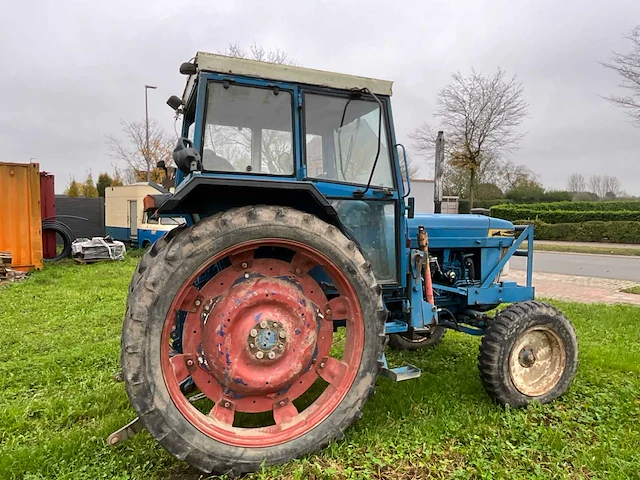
[48,209]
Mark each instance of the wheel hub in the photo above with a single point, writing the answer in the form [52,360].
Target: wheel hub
[260,335]
[527,357]
[267,341]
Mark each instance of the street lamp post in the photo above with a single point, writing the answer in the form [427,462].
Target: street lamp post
[146,152]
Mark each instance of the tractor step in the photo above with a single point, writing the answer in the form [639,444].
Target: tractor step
[126,432]
[398,374]
[135,426]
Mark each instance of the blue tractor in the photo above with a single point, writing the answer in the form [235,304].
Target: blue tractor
[254,334]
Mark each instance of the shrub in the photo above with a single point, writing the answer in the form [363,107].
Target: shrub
[633,205]
[556,196]
[612,232]
[563,216]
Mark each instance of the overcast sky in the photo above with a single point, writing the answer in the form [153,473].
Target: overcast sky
[70,70]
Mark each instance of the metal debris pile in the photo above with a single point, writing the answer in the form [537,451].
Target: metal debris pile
[6,272]
[86,250]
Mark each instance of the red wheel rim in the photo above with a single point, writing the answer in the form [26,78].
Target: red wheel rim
[256,337]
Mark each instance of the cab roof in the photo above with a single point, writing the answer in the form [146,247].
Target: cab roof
[210,62]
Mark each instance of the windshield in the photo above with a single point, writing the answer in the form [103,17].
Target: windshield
[342,140]
[248,129]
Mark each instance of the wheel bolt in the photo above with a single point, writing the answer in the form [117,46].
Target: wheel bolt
[251,345]
[226,404]
[263,324]
[189,363]
[198,302]
[282,334]
[275,324]
[298,271]
[321,364]
[259,355]
[272,355]
[253,332]
[244,264]
[328,311]
[282,403]
[281,347]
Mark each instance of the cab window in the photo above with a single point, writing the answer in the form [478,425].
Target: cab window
[248,130]
[342,137]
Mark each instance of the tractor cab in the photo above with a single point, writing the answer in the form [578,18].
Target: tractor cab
[321,142]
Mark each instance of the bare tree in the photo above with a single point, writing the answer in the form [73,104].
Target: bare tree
[512,176]
[595,185]
[627,66]
[412,167]
[131,149]
[611,186]
[258,52]
[480,115]
[576,183]
[504,174]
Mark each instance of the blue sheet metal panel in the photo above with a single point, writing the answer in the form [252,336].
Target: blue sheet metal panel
[149,235]
[489,258]
[504,292]
[395,327]
[459,231]
[403,248]
[119,233]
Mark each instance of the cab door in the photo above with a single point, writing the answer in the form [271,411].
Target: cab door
[347,152]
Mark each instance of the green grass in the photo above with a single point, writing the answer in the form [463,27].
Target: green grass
[58,403]
[588,249]
[635,289]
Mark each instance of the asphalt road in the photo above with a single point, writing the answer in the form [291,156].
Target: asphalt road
[605,266]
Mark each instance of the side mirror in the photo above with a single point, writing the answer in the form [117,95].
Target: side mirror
[411,207]
[174,102]
[188,68]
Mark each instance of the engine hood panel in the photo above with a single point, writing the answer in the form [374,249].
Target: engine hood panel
[455,231]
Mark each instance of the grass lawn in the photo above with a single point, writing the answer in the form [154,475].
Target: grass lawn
[58,402]
[635,289]
[626,251]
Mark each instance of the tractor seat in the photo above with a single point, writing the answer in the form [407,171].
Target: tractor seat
[212,161]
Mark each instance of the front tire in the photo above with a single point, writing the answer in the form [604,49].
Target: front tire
[529,353]
[229,305]
[417,341]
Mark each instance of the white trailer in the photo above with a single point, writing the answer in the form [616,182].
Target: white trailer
[125,219]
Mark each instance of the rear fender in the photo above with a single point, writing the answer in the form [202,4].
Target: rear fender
[204,196]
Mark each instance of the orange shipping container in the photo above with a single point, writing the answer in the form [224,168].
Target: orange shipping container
[20,217]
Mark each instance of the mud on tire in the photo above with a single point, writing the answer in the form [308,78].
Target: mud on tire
[161,273]
[529,353]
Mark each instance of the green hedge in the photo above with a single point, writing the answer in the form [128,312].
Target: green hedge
[463,204]
[612,232]
[632,205]
[563,216]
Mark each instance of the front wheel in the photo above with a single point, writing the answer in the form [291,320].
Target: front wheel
[417,341]
[529,352]
[228,347]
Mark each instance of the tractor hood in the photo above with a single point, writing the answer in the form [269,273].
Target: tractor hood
[455,231]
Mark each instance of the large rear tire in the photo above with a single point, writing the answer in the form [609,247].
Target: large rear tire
[229,307]
[529,353]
